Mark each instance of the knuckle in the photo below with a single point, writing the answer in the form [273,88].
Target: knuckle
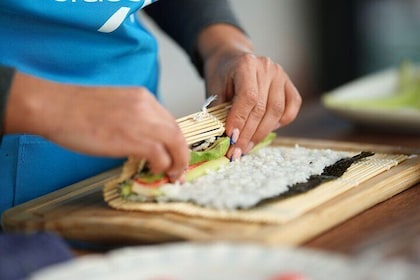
[251,96]
[241,117]
[267,62]
[259,111]
[249,58]
[247,61]
[276,107]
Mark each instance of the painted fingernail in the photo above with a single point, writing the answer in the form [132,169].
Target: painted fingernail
[237,152]
[234,136]
[229,154]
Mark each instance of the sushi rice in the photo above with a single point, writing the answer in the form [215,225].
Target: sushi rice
[243,183]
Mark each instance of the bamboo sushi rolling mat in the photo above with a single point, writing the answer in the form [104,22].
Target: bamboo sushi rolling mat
[79,211]
[275,212]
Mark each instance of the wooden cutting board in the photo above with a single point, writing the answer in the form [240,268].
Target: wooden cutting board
[78,212]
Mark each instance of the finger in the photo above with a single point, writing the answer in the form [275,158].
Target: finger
[236,121]
[245,84]
[177,147]
[169,151]
[155,154]
[293,101]
[263,115]
[259,112]
[274,110]
[173,141]
[170,137]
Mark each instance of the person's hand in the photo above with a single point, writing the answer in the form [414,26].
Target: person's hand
[264,98]
[103,121]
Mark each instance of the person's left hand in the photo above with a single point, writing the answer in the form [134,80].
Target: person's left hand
[264,98]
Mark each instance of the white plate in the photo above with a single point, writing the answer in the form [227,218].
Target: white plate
[223,261]
[380,84]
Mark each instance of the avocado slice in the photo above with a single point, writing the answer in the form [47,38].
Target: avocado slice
[264,143]
[205,167]
[218,149]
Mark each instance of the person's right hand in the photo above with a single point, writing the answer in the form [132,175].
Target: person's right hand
[103,121]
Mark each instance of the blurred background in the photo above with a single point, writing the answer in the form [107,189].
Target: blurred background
[320,43]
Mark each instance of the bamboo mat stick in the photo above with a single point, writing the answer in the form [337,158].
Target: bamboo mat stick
[204,124]
[211,116]
[224,107]
[194,116]
[203,136]
[199,131]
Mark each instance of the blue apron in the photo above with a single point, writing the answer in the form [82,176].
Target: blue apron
[32,166]
[94,43]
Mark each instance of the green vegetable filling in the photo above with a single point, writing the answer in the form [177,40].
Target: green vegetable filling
[213,159]
[217,150]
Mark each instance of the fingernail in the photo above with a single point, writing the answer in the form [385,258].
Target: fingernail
[171,176]
[234,136]
[237,153]
[249,147]
[174,177]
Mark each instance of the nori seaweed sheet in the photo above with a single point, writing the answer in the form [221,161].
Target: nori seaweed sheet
[329,173]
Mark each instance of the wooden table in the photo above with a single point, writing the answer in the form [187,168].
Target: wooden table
[393,226]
